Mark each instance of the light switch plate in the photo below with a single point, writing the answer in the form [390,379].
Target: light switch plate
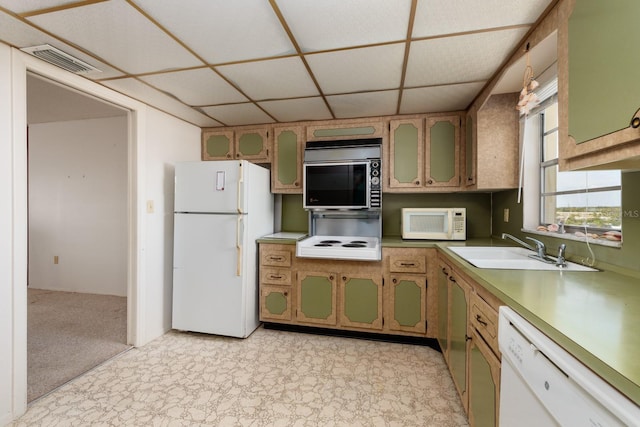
[150,207]
[506,215]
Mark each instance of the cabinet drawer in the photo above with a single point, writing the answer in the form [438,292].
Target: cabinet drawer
[408,264]
[275,276]
[276,258]
[485,320]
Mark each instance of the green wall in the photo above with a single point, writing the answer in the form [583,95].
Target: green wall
[478,206]
[625,257]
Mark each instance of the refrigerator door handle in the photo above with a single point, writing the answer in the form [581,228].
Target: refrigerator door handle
[239,245]
[240,190]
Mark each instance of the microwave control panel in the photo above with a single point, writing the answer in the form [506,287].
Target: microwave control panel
[375,189]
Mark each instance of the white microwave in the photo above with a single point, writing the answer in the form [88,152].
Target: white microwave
[434,223]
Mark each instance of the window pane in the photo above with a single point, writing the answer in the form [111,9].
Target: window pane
[598,209]
[550,176]
[577,180]
[550,146]
[550,117]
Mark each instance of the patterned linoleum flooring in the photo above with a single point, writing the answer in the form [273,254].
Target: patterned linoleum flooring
[272,378]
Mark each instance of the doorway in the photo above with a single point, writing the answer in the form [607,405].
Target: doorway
[77,233]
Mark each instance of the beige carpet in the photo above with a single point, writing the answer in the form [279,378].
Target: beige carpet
[70,333]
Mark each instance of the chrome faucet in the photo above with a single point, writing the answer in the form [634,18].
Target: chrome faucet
[560,260]
[540,249]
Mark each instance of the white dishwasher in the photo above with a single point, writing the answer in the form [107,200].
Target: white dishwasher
[543,385]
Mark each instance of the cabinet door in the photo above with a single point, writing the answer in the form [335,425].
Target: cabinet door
[406,167]
[442,159]
[275,302]
[458,320]
[443,310]
[286,174]
[361,297]
[408,303]
[484,384]
[253,145]
[316,298]
[217,145]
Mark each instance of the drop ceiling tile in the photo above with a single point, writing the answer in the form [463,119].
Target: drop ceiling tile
[271,79]
[294,110]
[221,30]
[238,114]
[16,33]
[460,59]
[21,6]
[439,98]
[120,35]
[353,70]
[367,104]
[196,87]
[331,24]
[434,17]
[148,95]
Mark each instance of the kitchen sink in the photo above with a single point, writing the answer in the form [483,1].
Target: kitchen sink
[510,258]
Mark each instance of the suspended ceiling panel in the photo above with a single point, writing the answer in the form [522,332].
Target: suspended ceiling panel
[117,32]
[332,24]
[220,62]
[220,31]
[201,86]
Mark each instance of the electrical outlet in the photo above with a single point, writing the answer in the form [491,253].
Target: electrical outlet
[150,208]
[506,215]
[55,259]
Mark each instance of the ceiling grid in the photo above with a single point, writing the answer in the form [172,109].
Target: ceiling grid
[217,63]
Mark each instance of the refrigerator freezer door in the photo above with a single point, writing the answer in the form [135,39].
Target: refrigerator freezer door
[209,187]
[208,294]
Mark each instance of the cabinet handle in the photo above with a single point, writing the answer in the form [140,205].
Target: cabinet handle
[479,320]
[408,264]
[470,178]
[635,122]
[452,279]
[467,337]
[445,272]
[273,276]
[276,258]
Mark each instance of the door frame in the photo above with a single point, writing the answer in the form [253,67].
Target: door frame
[21,64]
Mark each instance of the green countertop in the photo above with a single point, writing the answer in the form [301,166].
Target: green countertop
[593,315]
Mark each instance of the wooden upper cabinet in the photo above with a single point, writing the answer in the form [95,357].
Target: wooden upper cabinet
[599,98]
[442,156]
[217,145]
[240,144]
[406,154]
[286,172]
[470,150]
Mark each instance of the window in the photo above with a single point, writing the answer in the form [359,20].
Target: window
[589,199]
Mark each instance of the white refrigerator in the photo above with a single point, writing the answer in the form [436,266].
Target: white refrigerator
[220,209]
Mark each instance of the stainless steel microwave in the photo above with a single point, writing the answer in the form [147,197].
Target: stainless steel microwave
[342,185]
[434,223]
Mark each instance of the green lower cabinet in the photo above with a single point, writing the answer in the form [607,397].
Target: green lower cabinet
[275,303]
[361,301]
[316,298]
[408,303]
[484,384]
[458,309]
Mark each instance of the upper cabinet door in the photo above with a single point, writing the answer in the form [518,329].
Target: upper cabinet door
[217,145]
[406,154]
[599,96]
[253,144]
[286,173]
[442,160]
[470,151]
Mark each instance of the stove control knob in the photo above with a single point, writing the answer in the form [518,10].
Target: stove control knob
[375,180]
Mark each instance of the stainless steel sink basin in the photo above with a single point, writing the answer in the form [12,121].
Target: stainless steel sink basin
[510,258]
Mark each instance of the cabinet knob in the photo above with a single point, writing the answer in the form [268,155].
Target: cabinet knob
[228,156]
[395,280]
[330,277]
[286,294]
[344,278]
[417,182]
[297,184]
[430,181]
[635,122]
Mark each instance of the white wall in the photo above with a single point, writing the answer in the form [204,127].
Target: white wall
[78,206]
[157,140]
[169,140]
